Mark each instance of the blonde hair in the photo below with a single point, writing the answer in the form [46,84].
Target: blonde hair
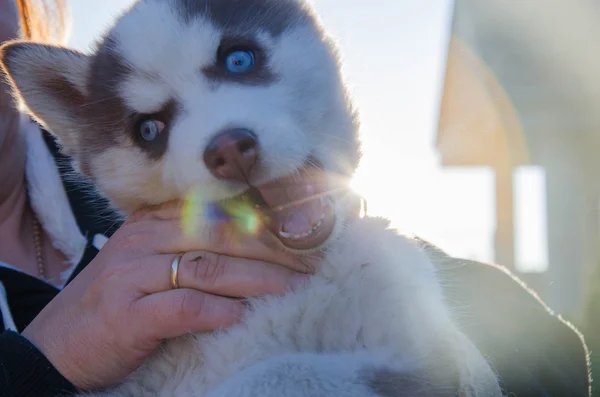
[43,20]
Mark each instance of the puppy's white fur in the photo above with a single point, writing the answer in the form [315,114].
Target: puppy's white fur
[48,197]
[373,321]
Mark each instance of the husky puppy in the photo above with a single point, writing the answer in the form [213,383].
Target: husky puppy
[239,97]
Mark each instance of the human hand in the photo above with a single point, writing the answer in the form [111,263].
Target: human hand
[103,325]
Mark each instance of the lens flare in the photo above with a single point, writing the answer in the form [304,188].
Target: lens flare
[238,214]
[244,217]
[190,214]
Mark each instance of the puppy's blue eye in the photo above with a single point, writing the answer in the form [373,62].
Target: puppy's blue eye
[239,61]
[150,129]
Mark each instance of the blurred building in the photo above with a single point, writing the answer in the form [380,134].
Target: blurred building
[522,90]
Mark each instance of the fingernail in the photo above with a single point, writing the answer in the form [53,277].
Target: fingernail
[298,281]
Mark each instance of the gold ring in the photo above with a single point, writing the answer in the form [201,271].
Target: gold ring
[175,271]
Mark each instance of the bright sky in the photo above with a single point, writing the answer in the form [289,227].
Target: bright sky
[394,61]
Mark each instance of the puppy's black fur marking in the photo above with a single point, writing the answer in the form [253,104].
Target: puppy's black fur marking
[245,16]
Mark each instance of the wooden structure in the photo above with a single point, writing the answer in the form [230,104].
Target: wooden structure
[523,87]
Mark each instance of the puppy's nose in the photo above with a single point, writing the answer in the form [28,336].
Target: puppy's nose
[232,154]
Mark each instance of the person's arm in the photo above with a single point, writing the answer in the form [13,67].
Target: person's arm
[25,371]
[535,352]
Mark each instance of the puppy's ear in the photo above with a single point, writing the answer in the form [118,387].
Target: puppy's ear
[50,82]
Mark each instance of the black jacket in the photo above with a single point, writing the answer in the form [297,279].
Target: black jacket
[535,353]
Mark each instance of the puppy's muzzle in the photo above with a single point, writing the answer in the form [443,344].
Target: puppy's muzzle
[232,154]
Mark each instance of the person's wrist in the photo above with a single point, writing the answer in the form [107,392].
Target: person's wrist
[27,371]
[59,357]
